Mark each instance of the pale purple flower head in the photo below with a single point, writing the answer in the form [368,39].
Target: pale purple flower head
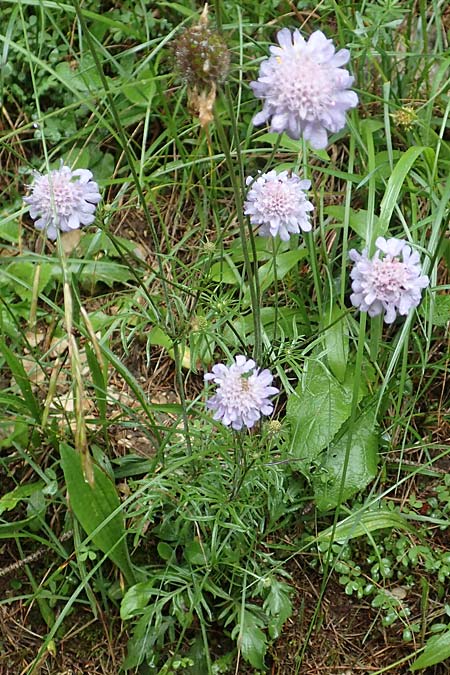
[62,200]
[304,89]
[277,204]
[242,394]
[390,282]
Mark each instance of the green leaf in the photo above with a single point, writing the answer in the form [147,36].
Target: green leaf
[251,640]
[225,272]
[11,499]
[150,629]
[286,143]
[17,528]
[98,381]
[195,553]
[9,230]
[441,310]
[284,263]
[357,220]
[91,272]
[70,77]
[136,598]
[22,275]
[277,606]
[100,242]
[142,91]
[317,410]
[156,336]
[165,551]
[359,524]
[395,183]
[94,507]
[336,342]
[22,381]
[362,464]
[437,649]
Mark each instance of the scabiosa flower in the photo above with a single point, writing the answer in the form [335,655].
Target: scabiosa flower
[390,282]
[304,89]
[243,392]
[62,200]
[278,204]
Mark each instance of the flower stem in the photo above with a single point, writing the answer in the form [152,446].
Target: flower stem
[237,185]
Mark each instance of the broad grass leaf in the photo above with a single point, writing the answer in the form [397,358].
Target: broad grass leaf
[362,440]
[317,411]
[21,378]
[437,649]
[395,183]
[97,508]
[359,524]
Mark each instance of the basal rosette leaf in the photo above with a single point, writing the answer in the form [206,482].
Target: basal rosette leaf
[317,410]
[361,442]
[97,508]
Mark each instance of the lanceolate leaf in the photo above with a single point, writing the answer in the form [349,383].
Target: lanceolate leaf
[360,523]
[93,508]
[395,183]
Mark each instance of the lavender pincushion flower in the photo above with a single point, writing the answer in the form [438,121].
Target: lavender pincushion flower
[304,89]
[277,204]
[243,392]
[390,282]
[62,200]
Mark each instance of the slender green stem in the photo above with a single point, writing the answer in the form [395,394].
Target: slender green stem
[248,261]
[353,414]
[275,247]
[131,163]
[348,201]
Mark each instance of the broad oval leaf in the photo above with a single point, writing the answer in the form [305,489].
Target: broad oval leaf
[317,411]
[362,444]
